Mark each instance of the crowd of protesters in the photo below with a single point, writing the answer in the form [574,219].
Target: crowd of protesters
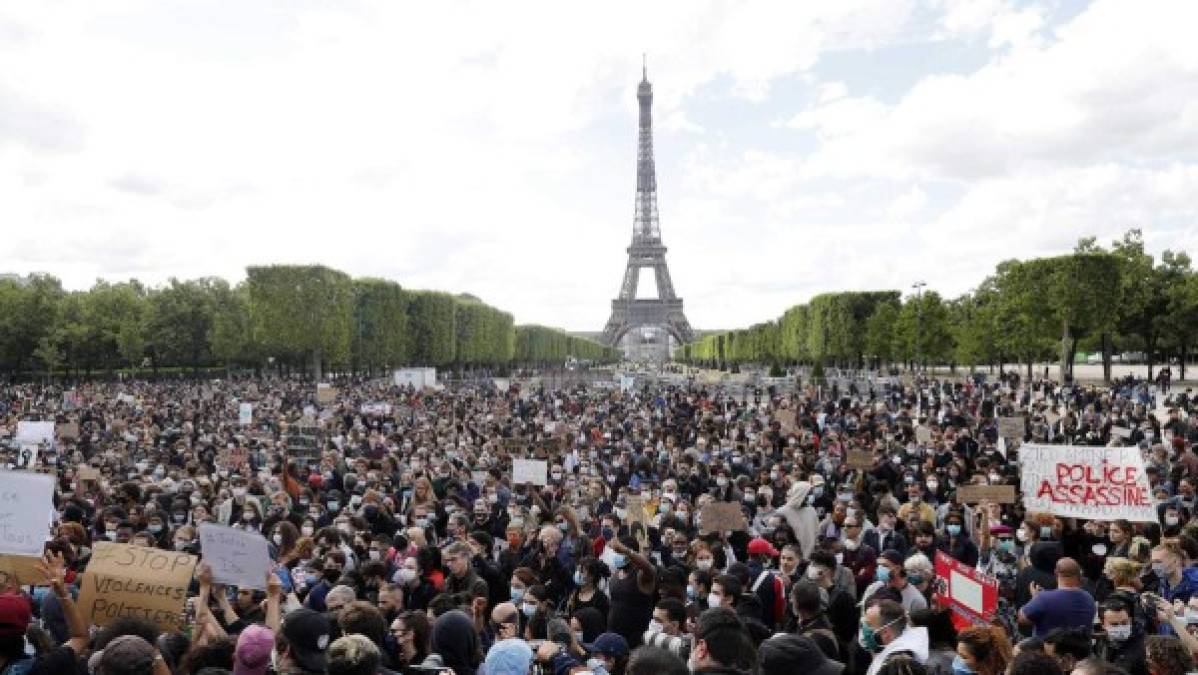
[401,544]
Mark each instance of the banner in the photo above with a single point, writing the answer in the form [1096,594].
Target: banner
[971,595]
[245,414]
[1086,482]
[126,580]
[26,502]
[238,558]
[529,471]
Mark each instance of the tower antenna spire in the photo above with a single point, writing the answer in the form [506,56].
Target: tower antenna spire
[644,67]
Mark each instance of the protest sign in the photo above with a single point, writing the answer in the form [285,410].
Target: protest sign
[722,517]
[71,400]
[999,494]
[379,409]
[237,557]
[923,435]
[971,595]
[87,473]
[34,433]
[26,500]
[1086,482]
[20,571]
[636,513]
[245,414]
[1121,432]
[530,471]
[236,457]
[67,431]
[860,459]
[125,580]
[325,393]
[1011,427]
[502,383]
[627,382]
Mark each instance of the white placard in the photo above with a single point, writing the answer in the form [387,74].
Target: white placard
[1086,482]
[1121,432]
[24,499]
[533,471]
[966,591]
[502,383]
[238,558]
[34,433]
[245,414]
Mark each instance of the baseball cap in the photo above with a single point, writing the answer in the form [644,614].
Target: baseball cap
[254,645]
[15,614]
[307,632]
[609,644]
[760,546]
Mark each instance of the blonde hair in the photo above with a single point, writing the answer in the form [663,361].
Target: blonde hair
[1122,571]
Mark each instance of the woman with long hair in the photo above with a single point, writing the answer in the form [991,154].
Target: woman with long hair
[982,650]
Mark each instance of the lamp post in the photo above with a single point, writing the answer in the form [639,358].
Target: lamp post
[918,286]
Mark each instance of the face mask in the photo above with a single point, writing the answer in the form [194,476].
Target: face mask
[867,637]
[953,529]
[578,577]
[1006,546]
[1021,535]
[1192,616]
[277,539]
[960,667]
[1046,532]
[721,481]
[915,579]
[713,600]
[933,486]
[703,564]
[180,545]
[883,574]
[691,593]
[154,529]
[422,522]
[578,637]
[406,575]
[850,544]
[529,609]
[307,530]
[564,527]
[1119,633]
[750,497]
[110,534]
[619,561]
[1159,570]
[517,594]
[1171,521]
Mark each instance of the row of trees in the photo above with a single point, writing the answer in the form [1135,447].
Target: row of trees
[1096,299]
[282,315]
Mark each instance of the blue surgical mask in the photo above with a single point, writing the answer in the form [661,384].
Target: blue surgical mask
[517,594]
[578,577]
[691,593]
[953,529]
[883,574]
[915,579]
[529,609]
[961,668]
[1006,546]
[619,560]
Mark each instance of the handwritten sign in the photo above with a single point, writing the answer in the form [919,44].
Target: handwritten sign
[125,580]
[635,511]
[86,473]
[26,500]
[245,414]
[20,571]
[236,457]
[238,558]
[533,471]
[325,393]
[1121,432]
[67,431]
[999,494]
[860,459]
[34,433]
[722,517]
[1011,427]
[971,595]
[1086,482]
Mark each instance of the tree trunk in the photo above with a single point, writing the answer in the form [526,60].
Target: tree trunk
[1064,366]
[316,364]
[1182,363]
[1106,357]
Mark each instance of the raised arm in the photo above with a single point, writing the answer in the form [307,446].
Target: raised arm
[53,568]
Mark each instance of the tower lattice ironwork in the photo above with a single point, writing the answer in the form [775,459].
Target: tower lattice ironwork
[646,251]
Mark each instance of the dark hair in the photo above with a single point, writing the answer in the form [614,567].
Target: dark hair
[364,618]
[422,630]
[901,664]
[939,622]
[806,596]
[595,568]
[1034,662]
[442,603]
[824,558]
[1166,655]
[727,639]
[655,661]
[731,585]
[1031,644]
[1093,665]
[12,647]
[215,653]
[1073,642]
[129,625]
[674,608]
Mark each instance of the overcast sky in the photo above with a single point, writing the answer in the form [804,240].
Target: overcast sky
[490,147]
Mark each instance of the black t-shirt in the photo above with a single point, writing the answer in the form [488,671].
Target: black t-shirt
[61,659]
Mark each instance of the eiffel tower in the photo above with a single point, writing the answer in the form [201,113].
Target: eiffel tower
[664,311]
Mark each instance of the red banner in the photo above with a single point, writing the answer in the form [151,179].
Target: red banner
[971,595]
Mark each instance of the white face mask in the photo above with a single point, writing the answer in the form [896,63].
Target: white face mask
[713,600]
[655,626]
[813,572]
[703,564]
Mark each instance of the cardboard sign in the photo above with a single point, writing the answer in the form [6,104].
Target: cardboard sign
[20,571]
[860,459]
[1011,427]
[237,457]
[87,473]
[533,471]
[238,558]
[1086,482]
[26,501]
[999,494]
[126,580]
[722,517]
[325,393]
[971,595]
[636,513]
[787,420]
[245,414]
[67,431]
